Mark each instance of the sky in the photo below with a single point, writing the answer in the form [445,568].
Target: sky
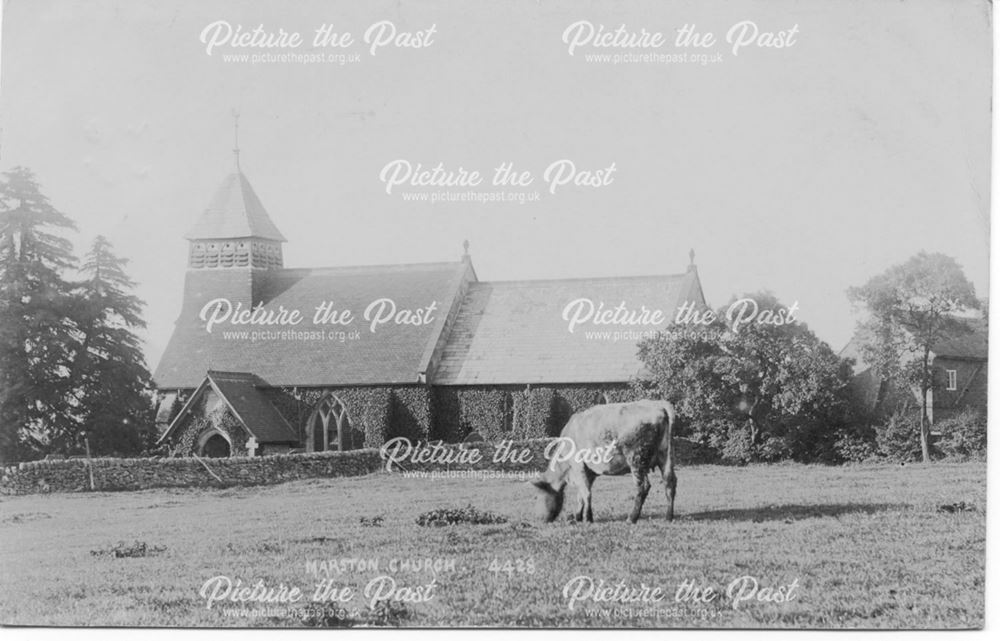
[803,170]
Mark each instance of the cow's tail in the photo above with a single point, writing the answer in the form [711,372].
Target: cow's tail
[669,476]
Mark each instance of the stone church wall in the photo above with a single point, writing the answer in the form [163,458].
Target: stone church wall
[73,475]
[111,474]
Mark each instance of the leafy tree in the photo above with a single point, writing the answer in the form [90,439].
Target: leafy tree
[109,374]
[912,307]
[36,330]
[772,388]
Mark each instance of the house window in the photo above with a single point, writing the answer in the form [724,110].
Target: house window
[952,379]
[329,426]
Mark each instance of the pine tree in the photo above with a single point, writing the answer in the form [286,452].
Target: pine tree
[109,375]
[36,330]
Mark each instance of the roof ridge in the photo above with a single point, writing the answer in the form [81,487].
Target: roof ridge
[535,281]
[394,266]
[218,373]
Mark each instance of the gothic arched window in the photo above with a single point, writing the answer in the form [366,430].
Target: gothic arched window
[329,426]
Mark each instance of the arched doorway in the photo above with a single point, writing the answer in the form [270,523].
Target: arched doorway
[214,445]
[329,426]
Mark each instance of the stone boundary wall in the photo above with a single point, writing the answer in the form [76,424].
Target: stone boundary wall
[117,474]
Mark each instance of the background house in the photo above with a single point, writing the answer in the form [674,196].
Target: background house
[960,368]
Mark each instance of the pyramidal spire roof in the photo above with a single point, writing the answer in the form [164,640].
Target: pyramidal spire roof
[235,212]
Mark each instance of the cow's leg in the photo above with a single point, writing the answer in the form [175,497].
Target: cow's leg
[670,485]
[578,476]
[641,478]
[586,493]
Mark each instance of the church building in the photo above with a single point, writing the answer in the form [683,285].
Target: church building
[428,351]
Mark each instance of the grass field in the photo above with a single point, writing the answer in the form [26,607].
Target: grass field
[864,547]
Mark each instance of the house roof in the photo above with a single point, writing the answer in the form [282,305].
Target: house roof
[240,392]
[515,333]
[235,212]
[393,354]
[974,345]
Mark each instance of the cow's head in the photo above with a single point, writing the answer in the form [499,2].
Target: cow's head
[550,499]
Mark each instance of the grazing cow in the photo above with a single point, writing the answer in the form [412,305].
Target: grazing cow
[611,439]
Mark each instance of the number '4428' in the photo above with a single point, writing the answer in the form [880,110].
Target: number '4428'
[512,566]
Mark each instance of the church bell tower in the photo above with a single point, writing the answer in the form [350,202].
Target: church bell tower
[235,231]
[234,247]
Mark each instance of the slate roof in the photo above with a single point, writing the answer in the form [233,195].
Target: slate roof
[394,354]
[256,414]
[503,333]
[235,212]
[514,332]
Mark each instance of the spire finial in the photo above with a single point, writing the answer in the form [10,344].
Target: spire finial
[465,249]
[236,137]
[691,266]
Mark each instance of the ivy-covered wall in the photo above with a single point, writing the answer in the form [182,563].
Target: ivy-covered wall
[516,412]
[367,410]
[205,418]
[377,414]
[422,413]
[410,414]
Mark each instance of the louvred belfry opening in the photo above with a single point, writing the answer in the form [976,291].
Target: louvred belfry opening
[235,231]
